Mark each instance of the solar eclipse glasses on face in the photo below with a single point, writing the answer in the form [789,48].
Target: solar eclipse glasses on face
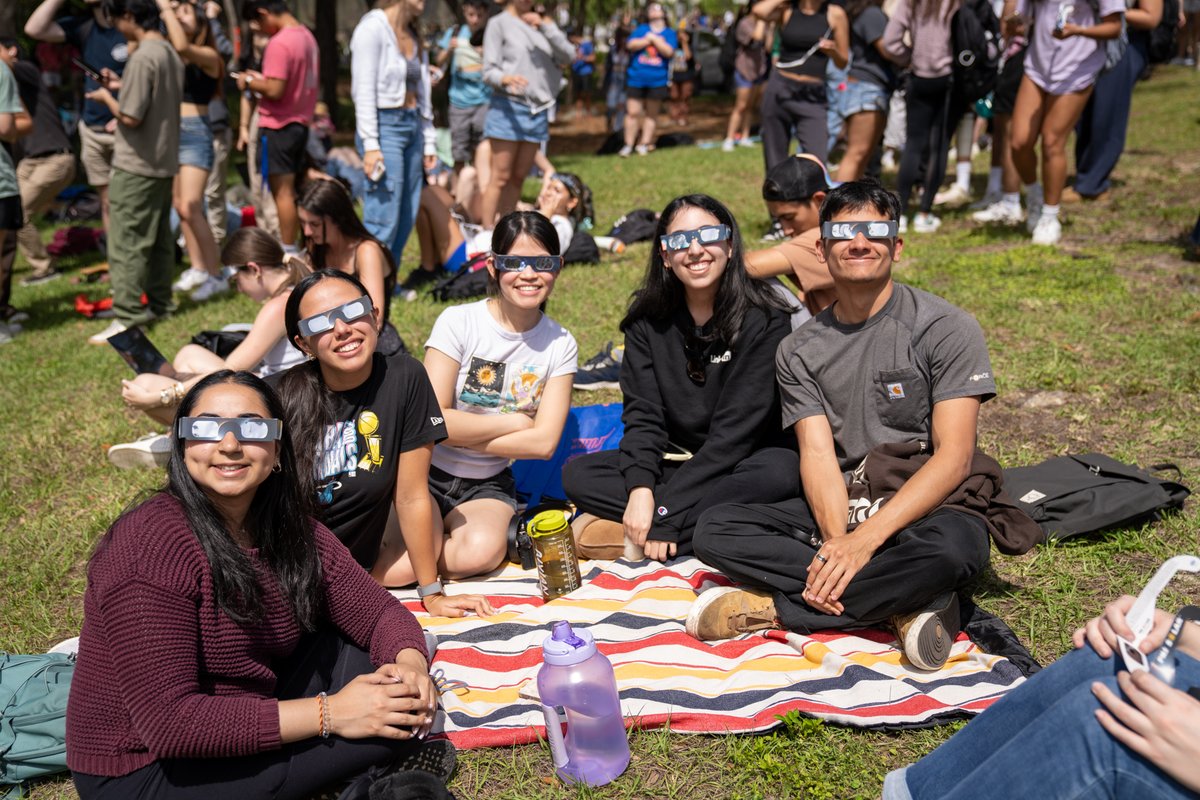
[682,240]
[244,429]
[882,229]
[506,263]
[347,312]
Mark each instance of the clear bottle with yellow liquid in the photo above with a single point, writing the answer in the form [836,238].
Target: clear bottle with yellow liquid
[554,552]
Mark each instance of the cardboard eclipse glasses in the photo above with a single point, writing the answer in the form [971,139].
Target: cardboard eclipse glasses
[347,312]
[843,231]
[244,429]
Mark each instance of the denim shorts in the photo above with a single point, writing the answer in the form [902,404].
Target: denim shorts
[740,82]
[512,121]
[864,96]
[196,143]
[451,491]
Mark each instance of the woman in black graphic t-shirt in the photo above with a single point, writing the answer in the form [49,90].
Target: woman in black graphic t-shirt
[365,426]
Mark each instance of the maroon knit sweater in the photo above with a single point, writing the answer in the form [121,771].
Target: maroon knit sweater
[163,672]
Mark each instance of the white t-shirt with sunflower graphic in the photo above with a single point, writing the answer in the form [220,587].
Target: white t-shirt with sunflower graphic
[500,372]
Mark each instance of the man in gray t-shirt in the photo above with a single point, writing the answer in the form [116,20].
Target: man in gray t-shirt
[885,364]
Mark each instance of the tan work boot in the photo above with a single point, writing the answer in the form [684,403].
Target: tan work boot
[728,611]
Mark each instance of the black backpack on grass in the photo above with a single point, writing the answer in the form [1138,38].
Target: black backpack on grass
[1071,495]
[636,226]
[469,280]
[975,50]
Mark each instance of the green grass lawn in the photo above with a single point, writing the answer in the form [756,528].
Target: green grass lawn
[1096,346]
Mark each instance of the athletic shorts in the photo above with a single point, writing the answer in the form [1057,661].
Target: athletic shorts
[1004,98]
[582,84]
[11,216]
[466,131]
[451,491]
[648,92]
[285,149]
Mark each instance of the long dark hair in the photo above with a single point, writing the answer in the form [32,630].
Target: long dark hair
[279,521]
[307,409]
[330,199]
[661,295]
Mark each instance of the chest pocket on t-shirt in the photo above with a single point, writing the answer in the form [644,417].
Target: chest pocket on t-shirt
[902,399]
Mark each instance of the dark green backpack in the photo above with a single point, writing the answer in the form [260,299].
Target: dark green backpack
[33,718]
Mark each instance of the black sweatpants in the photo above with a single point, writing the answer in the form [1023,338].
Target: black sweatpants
[322,662]
[770,547]
[595,485]
[927,137]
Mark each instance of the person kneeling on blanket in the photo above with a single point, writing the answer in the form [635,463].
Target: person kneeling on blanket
[884,364]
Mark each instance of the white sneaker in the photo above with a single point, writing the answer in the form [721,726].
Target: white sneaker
[728,145]
[953,197]
[745,142]
[888,161]
[114,327]
[6,333]
[625,152]
[642,149]
[192,278]
[1033,210]
[925,223]
[902,225]
[1001,212]
[989,199]
[1048,231]
[211,287]
[151,450]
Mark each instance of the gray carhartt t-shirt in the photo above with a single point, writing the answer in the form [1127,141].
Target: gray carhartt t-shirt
[877,381]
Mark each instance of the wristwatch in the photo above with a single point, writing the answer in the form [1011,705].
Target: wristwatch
[429,589]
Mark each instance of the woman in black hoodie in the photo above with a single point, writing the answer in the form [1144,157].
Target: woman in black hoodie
[702,421]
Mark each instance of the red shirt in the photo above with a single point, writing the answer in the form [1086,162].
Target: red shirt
[163,672]
[291,55]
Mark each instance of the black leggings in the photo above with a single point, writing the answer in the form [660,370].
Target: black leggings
[323,662]
[929,122]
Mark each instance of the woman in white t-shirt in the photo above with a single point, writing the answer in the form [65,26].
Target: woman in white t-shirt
[502,371]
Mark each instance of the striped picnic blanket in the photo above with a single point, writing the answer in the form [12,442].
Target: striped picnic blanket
[636,613]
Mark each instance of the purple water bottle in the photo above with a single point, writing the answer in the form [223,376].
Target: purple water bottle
[579,678]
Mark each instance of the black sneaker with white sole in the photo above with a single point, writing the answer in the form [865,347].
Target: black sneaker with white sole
[927,636]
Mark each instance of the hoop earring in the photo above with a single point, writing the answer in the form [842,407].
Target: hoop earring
[278,467]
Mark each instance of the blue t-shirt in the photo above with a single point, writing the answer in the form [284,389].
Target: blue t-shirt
[98,47]
[648,68]
[582,51]
[467,88]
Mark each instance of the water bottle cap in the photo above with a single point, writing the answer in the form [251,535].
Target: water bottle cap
[565,647]
[548,522]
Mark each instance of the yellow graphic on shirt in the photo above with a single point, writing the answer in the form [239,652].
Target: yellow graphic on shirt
[368,428]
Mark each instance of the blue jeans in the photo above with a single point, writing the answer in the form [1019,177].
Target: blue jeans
[1042,740]
[390,204]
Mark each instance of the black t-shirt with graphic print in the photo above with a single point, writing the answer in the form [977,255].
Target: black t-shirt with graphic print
[393,412]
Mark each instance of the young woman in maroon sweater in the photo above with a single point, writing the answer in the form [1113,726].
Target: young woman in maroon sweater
[231,646]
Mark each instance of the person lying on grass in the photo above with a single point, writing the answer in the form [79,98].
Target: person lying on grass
[701,408]
[365,425]
[231,647]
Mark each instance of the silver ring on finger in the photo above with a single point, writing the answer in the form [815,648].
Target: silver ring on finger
[821,558]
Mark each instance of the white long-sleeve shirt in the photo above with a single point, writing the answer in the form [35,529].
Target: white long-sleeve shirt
[512,47]
[377,80]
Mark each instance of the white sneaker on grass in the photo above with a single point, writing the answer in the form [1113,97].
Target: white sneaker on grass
[625,152]
[953,197]
[925,223]
[151,450]
[988,200]
[211,287]
[1048,231]
[114,327]
[642,149]
[191,278]
[902,225]
[1000,211]
[728,145]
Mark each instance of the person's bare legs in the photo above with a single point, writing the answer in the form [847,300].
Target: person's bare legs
[634,112]
[739,118]
[1010,181]
[437,231]
[503,164]
[650,122]
[863,133]
[527,153]
[283,190]
[1026,124]
[189,203]
[393,567]
[478,539]
[1061,114]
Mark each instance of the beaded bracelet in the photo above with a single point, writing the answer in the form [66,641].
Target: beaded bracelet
[323,711]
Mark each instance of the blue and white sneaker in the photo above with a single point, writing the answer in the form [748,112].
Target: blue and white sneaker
[603,370]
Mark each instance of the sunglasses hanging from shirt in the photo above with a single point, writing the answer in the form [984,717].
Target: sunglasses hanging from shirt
[507,263]
[348,312]
[882,229]
[682,240]
[244,429]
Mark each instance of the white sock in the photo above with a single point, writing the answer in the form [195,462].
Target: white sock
[1050,211]
[1011,199]
[962,175]
[995,175]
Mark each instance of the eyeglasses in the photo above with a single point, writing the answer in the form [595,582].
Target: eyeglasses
[347,312]
[841,231]
[682,240]
[244,429]
[520,263]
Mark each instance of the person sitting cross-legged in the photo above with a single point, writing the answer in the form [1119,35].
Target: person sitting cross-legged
[884,364]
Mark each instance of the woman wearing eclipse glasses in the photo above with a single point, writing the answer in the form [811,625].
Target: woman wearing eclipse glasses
[365,425]
[502,371]
[231,647]
[702,416]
